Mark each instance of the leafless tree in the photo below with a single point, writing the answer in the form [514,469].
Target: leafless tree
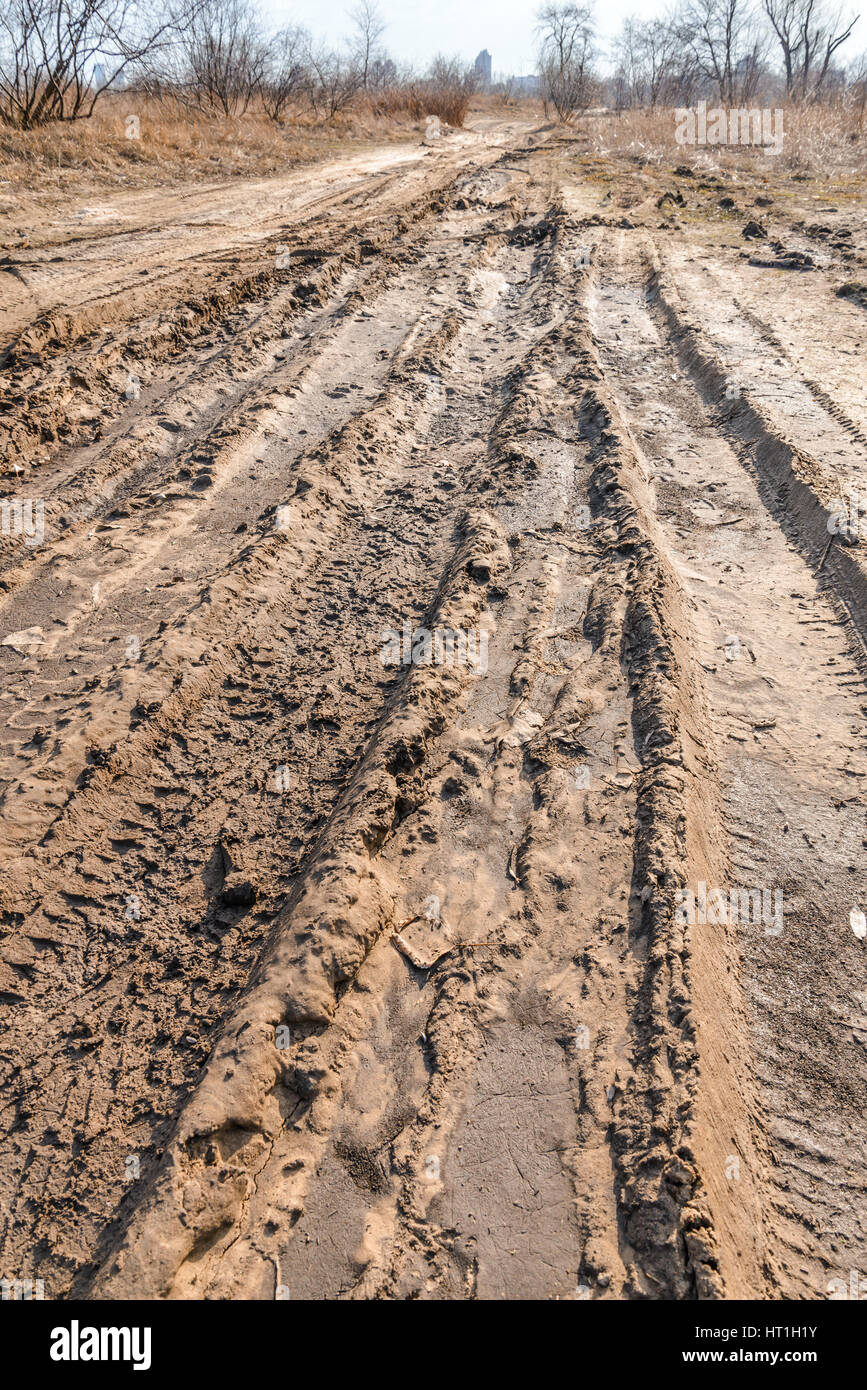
[448,89]
[808,35]
[286,73]
[223,57]
[858,87]
[726,43]
[382,72]
[649,56]
[369,28]
[332,82]
[619,90]
[49,49]
[629,75]
[566,56]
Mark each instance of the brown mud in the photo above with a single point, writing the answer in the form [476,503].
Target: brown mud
[329,975]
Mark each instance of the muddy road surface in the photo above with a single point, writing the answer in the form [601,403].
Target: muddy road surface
[434,736]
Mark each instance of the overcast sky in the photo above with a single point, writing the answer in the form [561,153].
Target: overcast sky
[417,29]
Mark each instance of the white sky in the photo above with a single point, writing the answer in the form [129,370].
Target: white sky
[417,29]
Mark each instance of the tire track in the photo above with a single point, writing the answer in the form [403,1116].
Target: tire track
[343,951]
[758,606]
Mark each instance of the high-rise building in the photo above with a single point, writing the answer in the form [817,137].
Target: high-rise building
[482,68]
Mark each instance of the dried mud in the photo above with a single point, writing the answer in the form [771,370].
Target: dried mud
[326,977]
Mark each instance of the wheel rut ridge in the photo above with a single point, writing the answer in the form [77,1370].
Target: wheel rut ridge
[35,417]
[796,488]
[327,485]
[250,1088]
[225,627]
[671,1207]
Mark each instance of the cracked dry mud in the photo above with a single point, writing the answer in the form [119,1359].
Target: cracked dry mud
[327,978]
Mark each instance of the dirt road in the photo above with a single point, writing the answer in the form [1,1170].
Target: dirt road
[434,744]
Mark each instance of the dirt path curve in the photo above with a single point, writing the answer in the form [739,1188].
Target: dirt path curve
[411,630]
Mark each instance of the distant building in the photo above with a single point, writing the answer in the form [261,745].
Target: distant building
[528,86]
[482,68]
[99,79]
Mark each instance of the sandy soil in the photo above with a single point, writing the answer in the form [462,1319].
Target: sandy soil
[325,976]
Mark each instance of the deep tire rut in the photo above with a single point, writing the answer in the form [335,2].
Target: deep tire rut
[426,628]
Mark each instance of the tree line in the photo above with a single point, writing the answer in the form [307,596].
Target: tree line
[58,57]
[729,51]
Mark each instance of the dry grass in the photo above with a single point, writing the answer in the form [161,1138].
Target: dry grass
[176,145]
[415,102]
[816,141]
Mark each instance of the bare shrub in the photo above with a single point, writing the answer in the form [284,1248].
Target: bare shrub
[219,63]
[286,73]
[401,99]
[332,83]
[49,48]
[566,58]
[448,90]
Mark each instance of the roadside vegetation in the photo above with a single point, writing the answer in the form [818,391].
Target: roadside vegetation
[128,92]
